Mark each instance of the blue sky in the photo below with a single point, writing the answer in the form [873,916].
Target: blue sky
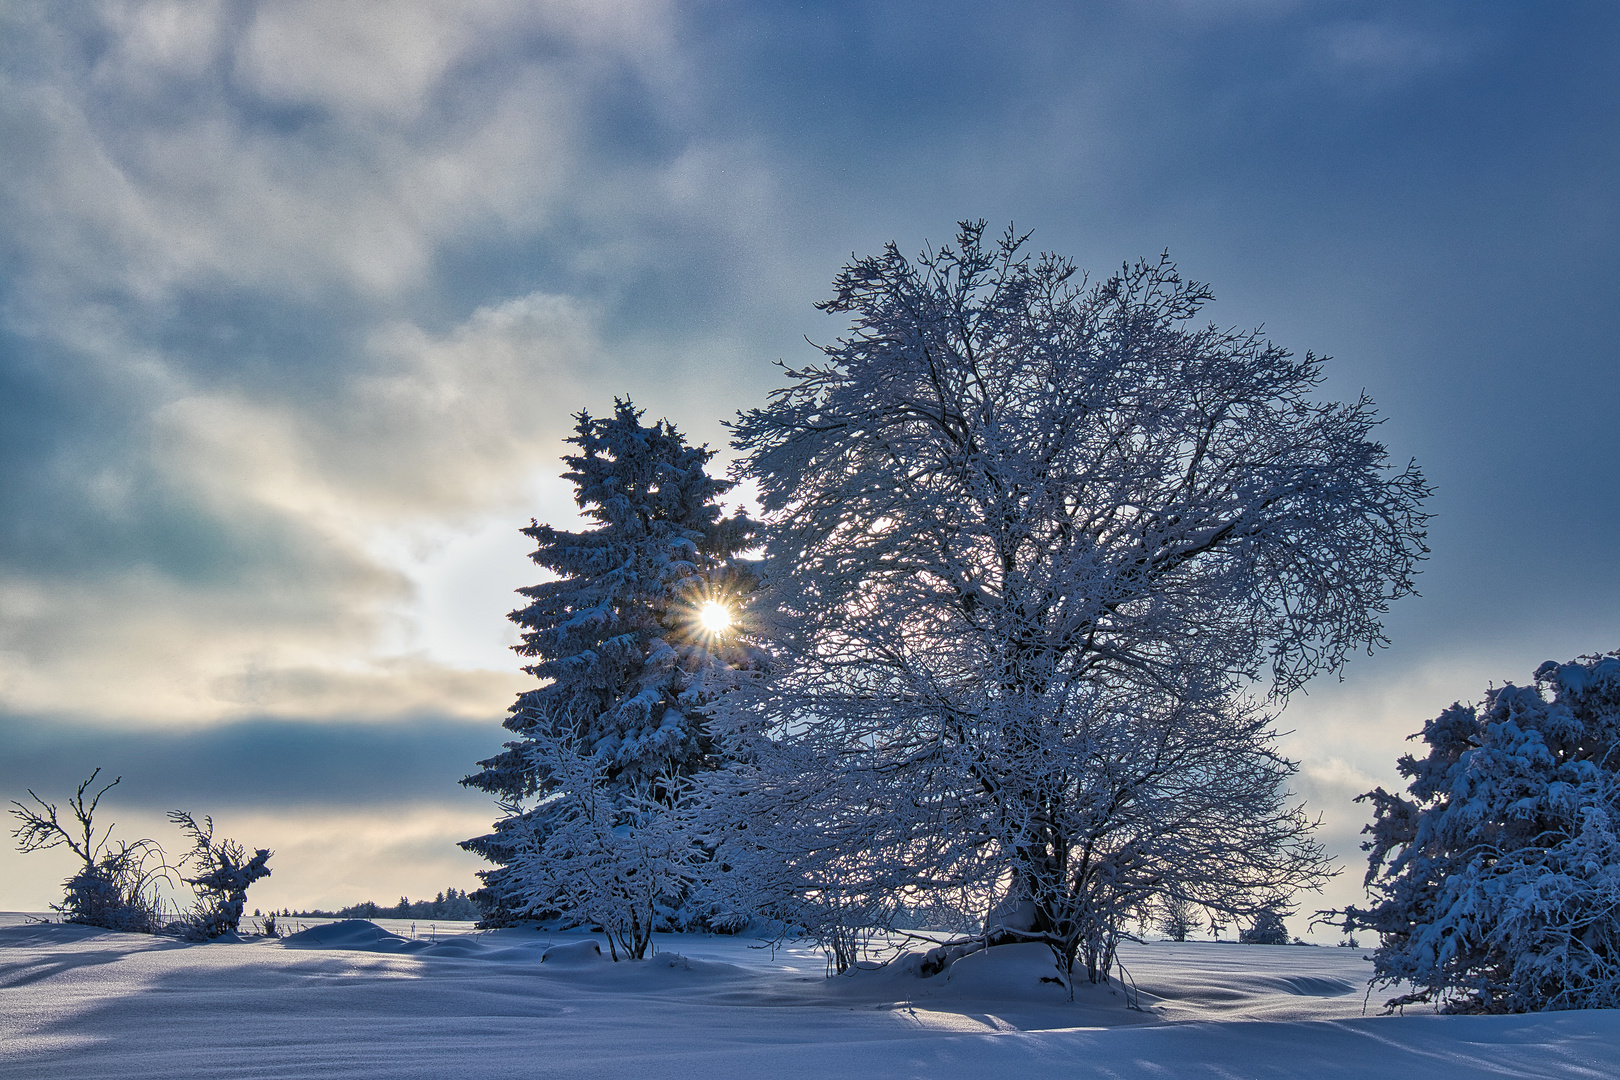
[296,300]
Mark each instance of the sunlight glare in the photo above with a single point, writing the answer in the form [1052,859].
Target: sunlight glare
[714,616]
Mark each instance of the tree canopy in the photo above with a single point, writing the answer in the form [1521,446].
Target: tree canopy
[1030,543]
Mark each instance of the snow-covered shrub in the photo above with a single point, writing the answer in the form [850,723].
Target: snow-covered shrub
[1267,929]
[609,855]
[116,888]
[224,871]
[1497,877]
[119,892]
[629,673]
[1028,541]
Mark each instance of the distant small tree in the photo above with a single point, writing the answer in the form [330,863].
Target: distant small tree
[1496,878]
[1177,918]
[116,887]
[453,904]
[628,670]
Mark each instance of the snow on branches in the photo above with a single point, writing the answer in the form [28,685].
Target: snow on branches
[1497,882]
[1028,542]
[608,853]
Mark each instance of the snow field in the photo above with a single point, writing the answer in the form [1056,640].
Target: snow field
[352,1000]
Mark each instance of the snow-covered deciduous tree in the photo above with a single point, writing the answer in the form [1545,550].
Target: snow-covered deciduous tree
[610,853]
[630,664]
[224,871]
[1177,918]
[1496,879]
[1029,541]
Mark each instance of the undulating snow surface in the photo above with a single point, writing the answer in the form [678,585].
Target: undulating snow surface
[354,1000]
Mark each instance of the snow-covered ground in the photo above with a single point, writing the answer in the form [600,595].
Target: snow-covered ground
[351,1000]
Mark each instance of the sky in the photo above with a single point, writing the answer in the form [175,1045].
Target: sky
[297,300]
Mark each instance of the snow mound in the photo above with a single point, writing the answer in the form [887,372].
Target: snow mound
[462,947]
[1004,973]
[1008,987]
[575,954]
[356,934]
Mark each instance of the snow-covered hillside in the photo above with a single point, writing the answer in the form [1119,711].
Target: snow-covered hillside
[352,1000]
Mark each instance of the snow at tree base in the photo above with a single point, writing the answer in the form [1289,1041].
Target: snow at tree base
[610,740]
[1497,883]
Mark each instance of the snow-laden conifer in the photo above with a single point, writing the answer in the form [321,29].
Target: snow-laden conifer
[1496,878]
[1029,542]
[628,672]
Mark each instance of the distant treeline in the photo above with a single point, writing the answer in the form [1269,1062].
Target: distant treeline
[449,904]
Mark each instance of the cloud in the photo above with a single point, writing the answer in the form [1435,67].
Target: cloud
[306,148]
[253,763]
[297,509]
[235,240]
[1384,54]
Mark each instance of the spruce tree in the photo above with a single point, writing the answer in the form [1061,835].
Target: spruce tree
[628,671]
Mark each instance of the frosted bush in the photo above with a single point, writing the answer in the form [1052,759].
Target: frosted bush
[1497,877]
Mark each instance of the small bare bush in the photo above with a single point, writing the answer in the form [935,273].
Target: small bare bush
[117,886]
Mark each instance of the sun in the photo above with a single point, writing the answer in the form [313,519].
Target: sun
[714,616]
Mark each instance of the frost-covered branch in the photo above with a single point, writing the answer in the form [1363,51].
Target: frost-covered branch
[117,886]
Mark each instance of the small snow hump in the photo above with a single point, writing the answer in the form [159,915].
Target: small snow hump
[574,953]
[348,934]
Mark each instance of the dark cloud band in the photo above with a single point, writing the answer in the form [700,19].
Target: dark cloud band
[253,763]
